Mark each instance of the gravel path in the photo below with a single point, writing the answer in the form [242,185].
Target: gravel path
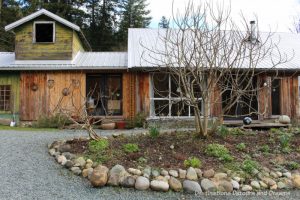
[28,172]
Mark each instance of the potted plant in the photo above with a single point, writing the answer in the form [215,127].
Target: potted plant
[121,124]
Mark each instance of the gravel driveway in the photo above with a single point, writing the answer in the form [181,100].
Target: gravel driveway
[28,172]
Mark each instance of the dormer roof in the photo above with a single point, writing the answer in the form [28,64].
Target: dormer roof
[39,13]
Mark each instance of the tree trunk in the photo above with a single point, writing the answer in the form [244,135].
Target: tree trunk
[198,123]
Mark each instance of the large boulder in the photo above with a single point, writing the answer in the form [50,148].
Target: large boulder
[80,162]
[116,175]
[175,184]
[296,181]
[191,174]
[284,119]
[192,187]
[209,173]
[225,186]
[208,185]
[128,182]
[157,185]
[99,176]
[64,148]
[142,183]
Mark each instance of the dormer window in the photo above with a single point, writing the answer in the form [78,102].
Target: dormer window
[44,32]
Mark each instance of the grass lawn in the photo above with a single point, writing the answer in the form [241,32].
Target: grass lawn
[3,127]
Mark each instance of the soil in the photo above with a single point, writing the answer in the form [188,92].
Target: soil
[156,152]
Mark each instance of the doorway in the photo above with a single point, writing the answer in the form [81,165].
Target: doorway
[275,96]
[104,94]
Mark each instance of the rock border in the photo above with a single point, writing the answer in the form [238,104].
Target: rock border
[192,180]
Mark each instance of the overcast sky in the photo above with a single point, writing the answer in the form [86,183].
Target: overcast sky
[277,14]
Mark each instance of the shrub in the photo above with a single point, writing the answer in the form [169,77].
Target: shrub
[192,162]
[154,131]
[53,121]
[292,165]
[98,145]
[241,146]
[218,151]
[131,148]
[236,131]
[139,119]
[284,140]
[249,165]
[265,148]
[223,131]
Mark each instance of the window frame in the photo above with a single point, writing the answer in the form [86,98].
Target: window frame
[9,100]
[169,98]
[34,31]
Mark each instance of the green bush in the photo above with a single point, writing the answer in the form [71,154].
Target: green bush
[98,145]
[265,148]
[53,121]
[218,151]
[223,131]
[131,148]
[236,131]
[292,165]
[284,140]
[241,146]
[192,162]
[249,165]
[139,119]
[154,131]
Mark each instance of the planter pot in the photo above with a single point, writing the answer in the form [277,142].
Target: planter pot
[121,125]
[108,126]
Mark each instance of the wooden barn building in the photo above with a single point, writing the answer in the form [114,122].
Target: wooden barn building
[53,66]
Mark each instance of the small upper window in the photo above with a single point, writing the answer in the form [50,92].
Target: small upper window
[44,32]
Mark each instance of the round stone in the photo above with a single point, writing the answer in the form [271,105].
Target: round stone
[157,185]
[142,183]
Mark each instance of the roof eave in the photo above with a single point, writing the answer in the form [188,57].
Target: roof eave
[39,13]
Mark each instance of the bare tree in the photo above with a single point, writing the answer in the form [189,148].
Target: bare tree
[295,27]
[208,56]
[81,114]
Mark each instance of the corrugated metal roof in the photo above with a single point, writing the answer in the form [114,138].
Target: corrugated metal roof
[142,41]
[83,60]
[37,14]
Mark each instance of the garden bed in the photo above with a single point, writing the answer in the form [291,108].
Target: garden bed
[170,150]
[228,160]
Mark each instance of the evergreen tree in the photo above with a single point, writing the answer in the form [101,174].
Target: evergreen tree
[9,12]
[164,23]
[67,9]
[102,27]
[133,14]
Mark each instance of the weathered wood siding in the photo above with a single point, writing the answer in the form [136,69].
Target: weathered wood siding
[33,103]
[289,97]
[76,45]
[129,99]
[61,49]
[75,83]
[143,96]
[264,97]
[13,79]
[47,100]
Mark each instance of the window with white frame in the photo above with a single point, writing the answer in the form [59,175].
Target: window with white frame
[165,97]
[44,32]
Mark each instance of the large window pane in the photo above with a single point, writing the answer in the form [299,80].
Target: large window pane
[161,108]
[160,85]
[179,109]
